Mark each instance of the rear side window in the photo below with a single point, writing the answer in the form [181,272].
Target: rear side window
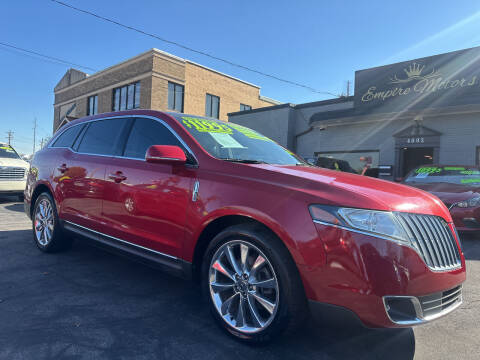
[67,138]
[145,133]
[103,137]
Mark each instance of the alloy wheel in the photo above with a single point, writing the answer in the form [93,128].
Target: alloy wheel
[44,222]
[243,286]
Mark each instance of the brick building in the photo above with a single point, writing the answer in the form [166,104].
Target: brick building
[154,80]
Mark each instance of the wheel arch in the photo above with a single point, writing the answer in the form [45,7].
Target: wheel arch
[39,189]
[219,224]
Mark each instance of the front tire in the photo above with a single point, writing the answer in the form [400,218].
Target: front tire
[47,232]
[252,284]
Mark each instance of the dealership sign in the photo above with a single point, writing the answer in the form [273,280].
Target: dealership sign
[436,81]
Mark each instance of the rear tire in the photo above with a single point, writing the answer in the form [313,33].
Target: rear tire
[252,285]
[47,232]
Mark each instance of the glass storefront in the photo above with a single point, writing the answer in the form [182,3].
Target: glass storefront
[359,162]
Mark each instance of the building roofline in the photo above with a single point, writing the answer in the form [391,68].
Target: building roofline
[221,73]
[420,58]
[325,102]
[294,106]
[164,53]
[100,72]
[269,99]
[266,108]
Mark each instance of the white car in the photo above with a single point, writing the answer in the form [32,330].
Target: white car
[13,172]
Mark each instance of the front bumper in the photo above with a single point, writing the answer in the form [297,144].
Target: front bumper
[415,310]
[12,186]
[361,272]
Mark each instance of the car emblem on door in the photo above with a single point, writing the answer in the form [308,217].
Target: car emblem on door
[129,204]
[195,190]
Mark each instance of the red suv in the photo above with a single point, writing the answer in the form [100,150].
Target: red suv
[272,239]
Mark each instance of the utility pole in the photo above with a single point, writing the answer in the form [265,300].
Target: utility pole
[348,87]
[9,136]
[34,133]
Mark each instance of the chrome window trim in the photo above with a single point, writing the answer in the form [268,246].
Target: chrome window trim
[389,239]
[122,241]
[161,121]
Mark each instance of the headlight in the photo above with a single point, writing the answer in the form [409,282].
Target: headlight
[380,223]
[473,202]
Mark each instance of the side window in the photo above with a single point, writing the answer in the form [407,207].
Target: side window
[103,137]
[145,133]
[67,138]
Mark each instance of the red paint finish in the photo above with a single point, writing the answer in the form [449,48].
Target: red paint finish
[150,204]
[165,153]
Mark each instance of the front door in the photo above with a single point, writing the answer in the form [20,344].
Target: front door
[146,203]
[416,156]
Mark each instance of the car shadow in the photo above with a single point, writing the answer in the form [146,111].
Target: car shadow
[107,306]
[18,207]
[471,245]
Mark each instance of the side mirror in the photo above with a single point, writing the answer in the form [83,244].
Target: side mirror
[165,154]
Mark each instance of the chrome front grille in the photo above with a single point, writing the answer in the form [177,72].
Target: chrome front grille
[12,173]
[433,240]
[440,302]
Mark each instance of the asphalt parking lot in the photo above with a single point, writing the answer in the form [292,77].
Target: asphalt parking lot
[88,304]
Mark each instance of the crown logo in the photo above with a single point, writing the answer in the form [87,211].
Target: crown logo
[414,72]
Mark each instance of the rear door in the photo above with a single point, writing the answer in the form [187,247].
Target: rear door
[146,203]
[81,171]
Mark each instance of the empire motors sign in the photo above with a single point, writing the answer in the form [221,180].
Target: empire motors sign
[450,79]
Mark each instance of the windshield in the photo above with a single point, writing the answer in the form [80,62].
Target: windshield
[6,151]
[232,142]
[446,174]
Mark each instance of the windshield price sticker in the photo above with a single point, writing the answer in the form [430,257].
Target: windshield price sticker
[6,148]
[248,132]
[470,172]
[428,170]
[202,125]
[226,141]
[453,168]
[470,181]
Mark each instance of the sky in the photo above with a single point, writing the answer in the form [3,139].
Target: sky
[316,43]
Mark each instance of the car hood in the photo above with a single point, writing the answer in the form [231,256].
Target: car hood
[13,162]
[449,193]
[351,190]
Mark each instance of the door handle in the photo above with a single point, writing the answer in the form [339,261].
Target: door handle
[62,168]
[118,177]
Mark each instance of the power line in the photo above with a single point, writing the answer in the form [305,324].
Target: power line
[194,50]
[46,56]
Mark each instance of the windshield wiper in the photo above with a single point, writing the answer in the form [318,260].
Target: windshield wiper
[244,161]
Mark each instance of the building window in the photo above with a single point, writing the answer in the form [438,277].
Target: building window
[175,96]
[212,106]
[92,105]
[126,97]
[244,107]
